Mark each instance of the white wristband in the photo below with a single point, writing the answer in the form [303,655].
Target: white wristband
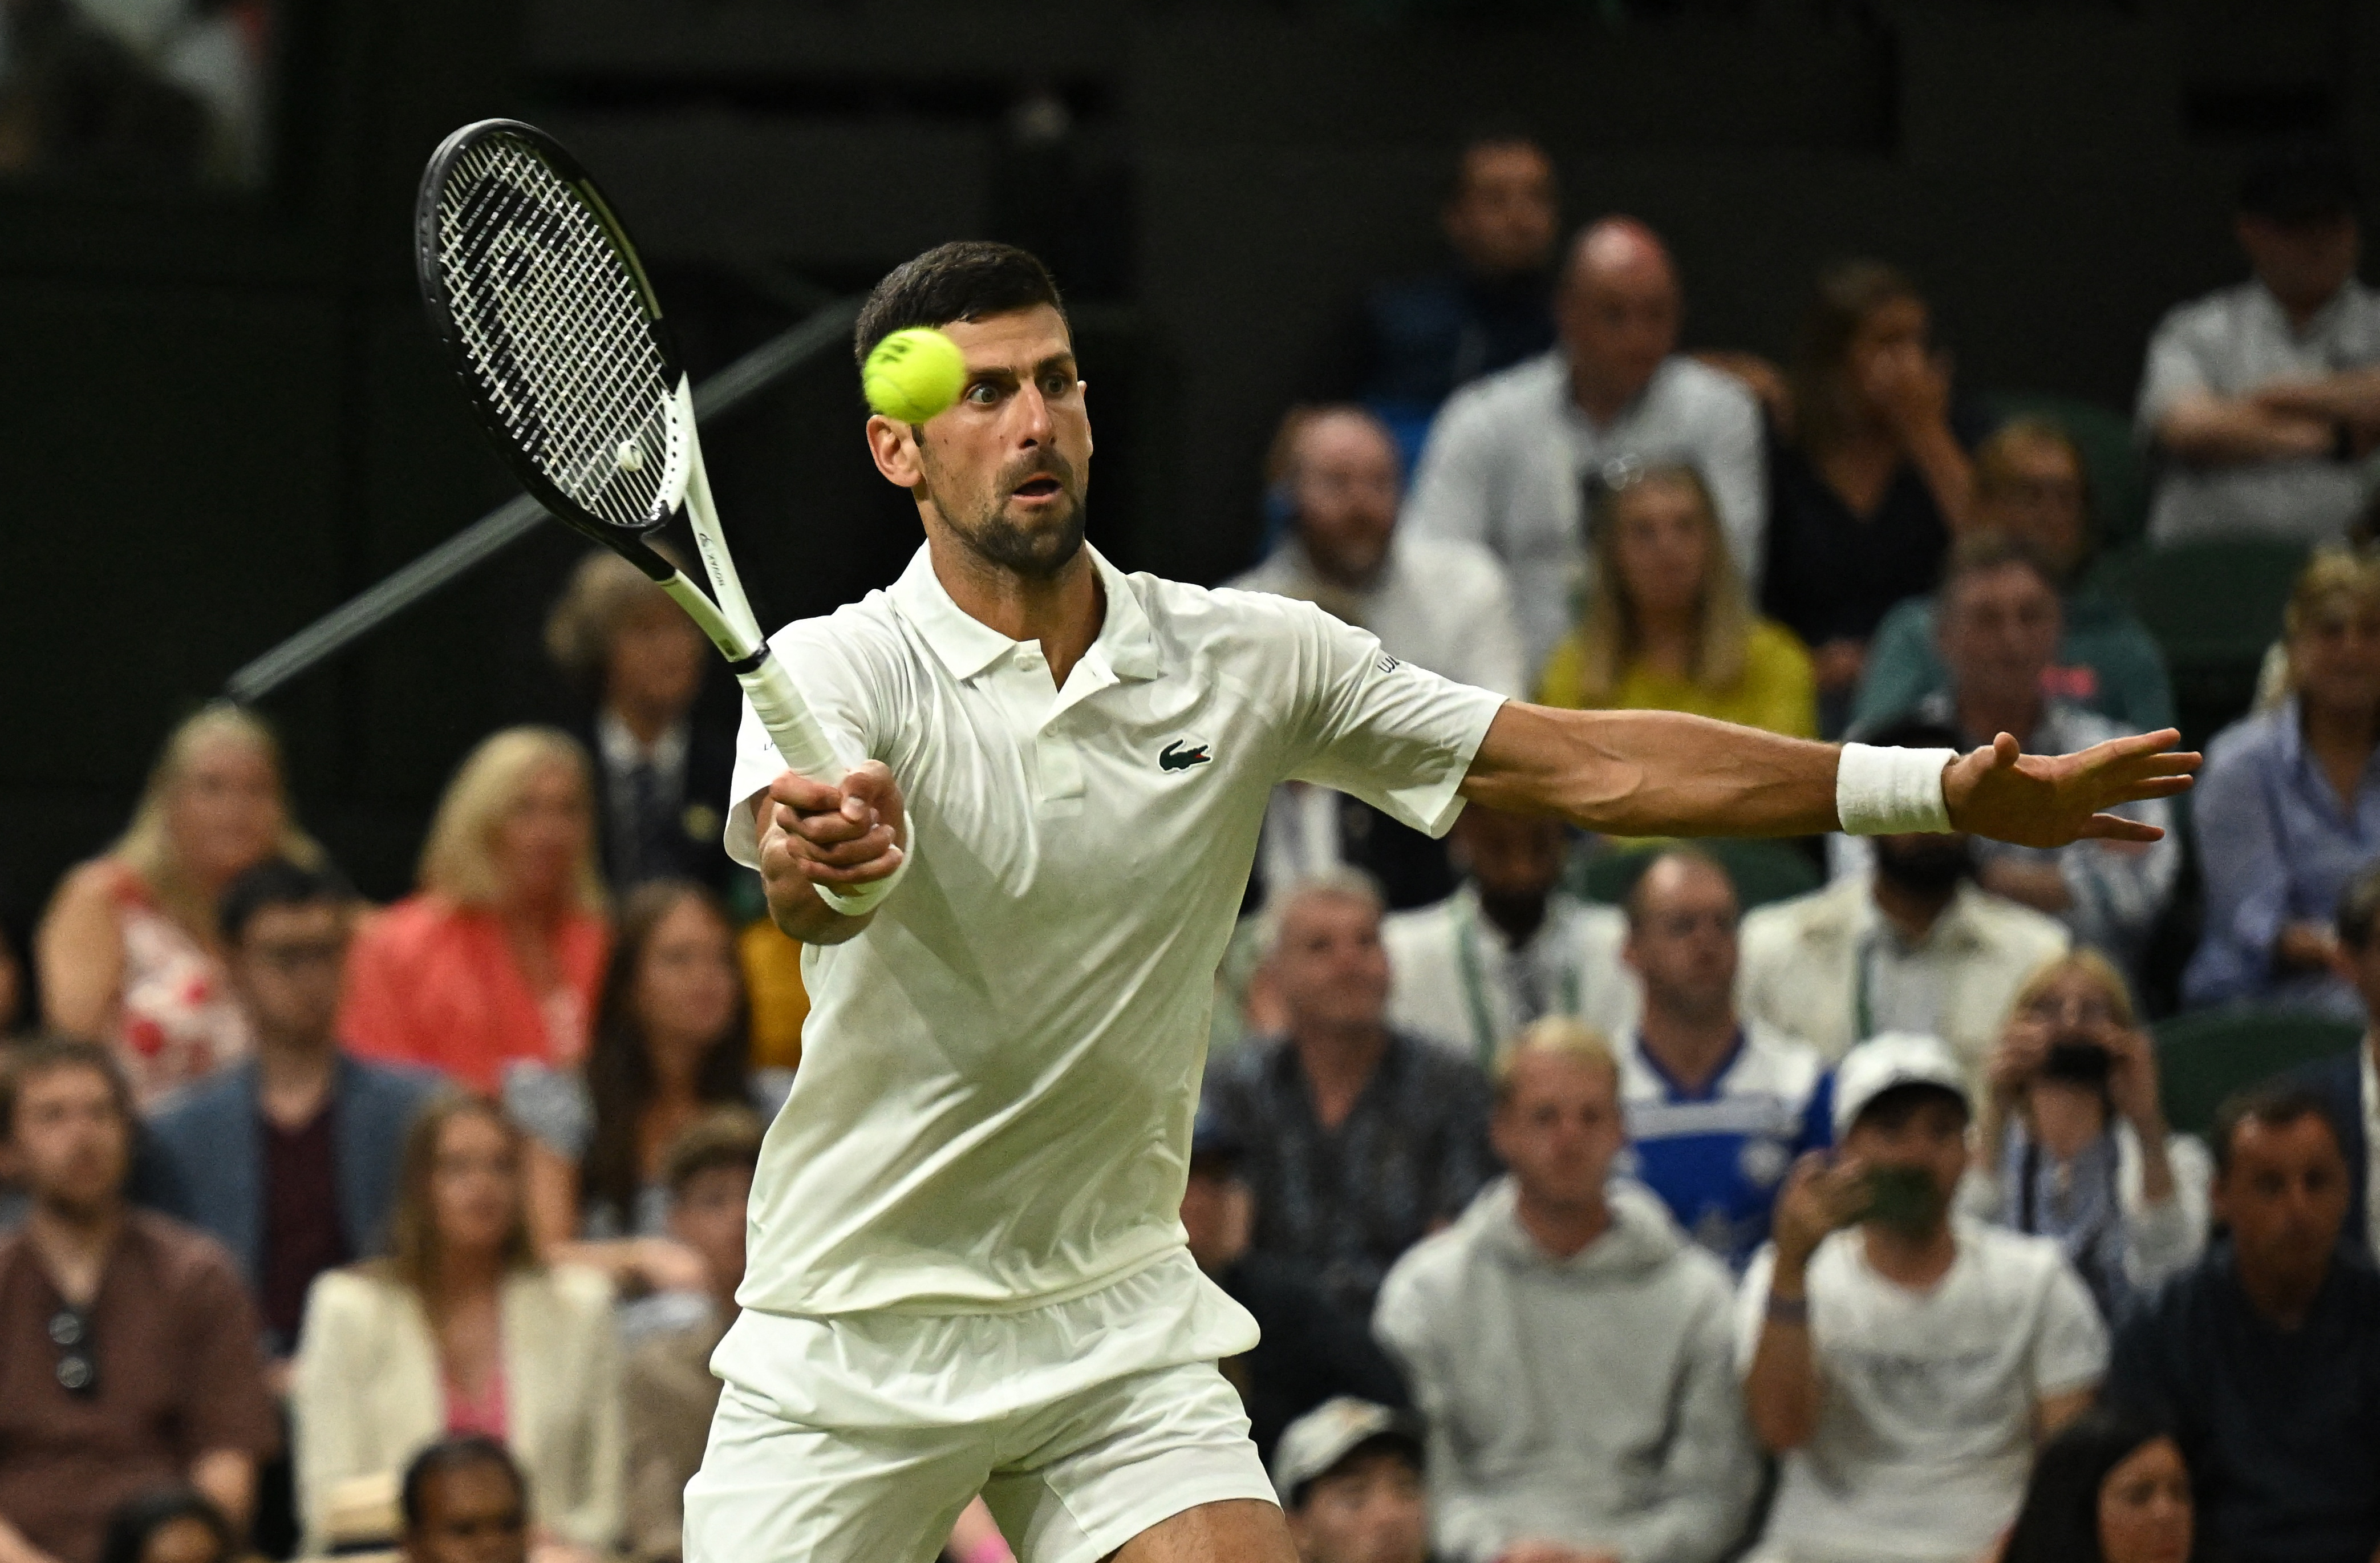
[1891,791]
[867,897]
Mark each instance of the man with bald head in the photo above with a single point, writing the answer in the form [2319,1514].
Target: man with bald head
[1511,457]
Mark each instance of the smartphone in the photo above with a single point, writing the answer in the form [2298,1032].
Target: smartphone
[1901,1196]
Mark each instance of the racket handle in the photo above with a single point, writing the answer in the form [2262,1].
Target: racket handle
[801,743]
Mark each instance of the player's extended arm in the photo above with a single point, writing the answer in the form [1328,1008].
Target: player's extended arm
[1662,773]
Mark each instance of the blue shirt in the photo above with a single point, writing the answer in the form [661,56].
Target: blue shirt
[2276,846]
[1716,1156]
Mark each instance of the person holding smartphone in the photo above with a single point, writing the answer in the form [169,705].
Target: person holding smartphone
[1902,1360]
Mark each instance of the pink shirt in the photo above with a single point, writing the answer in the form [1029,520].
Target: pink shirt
[484,1415]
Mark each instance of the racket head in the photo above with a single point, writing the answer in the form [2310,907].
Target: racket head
[536,291]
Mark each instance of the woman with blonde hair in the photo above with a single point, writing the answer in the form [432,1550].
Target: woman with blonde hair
[2288,809]
[499,954]
[1668,625]
[128,953]
[460,1330]
[2072,1143]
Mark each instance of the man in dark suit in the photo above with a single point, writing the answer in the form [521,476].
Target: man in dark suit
[2348,1085]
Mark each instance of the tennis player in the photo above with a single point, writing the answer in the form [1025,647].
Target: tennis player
[966,1271]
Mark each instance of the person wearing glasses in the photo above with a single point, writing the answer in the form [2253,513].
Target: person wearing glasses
[2072,1143]
[129,1354]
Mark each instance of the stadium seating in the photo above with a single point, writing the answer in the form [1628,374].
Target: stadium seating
[2205,1057]
[2213,607]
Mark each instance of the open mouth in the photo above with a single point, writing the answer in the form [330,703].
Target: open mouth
[1037,488]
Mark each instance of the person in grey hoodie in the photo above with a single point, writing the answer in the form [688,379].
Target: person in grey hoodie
[1568,1347]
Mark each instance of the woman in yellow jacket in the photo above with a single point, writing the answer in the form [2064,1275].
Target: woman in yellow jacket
[1668,624]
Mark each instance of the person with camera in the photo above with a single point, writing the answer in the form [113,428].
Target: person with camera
[1900,1358]
[2073,1142]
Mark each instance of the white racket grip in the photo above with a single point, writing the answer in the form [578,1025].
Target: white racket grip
[803,746]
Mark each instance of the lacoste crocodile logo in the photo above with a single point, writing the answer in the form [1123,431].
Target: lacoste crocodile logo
[1181,753]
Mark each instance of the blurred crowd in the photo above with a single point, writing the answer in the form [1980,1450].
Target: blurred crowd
[1601,1201]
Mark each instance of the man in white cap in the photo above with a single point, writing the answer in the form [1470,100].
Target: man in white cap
[1350,1477]
[1904,1361]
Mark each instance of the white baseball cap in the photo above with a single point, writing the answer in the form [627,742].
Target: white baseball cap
[1317,1441]
[1890,1060]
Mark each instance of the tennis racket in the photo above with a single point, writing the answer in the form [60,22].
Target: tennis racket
[535,289]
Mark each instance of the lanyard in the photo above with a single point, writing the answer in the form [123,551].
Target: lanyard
[1475,984]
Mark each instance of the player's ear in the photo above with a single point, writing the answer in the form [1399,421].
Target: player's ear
[895,446]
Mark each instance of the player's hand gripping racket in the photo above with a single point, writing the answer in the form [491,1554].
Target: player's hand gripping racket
[532,284]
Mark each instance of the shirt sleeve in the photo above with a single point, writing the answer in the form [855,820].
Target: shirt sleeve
[224,1404]
[1397,737]
[1901,668]
[2174,371]
[2069,1344]
[1751,1307]
[835,686]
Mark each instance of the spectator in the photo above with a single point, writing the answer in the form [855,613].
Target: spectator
[1359,1138]
[1568,1347]
[669,1043]
[671,1392]
[128,952]
[1668,625]
[1901,1360]
[131,1359]
[1507,461]
[1720,1106]
[2073,1142]
[2348,1085]
[1908,944]
[2265,1358]
[465,1500]
[461,1330]
[2288,806]
[1508,947]
[498,955]
[1350,1477]
[289,1157]
[2031,485]
[2265,397]
[1308,1353]
[660,778]
[1999,631]
[1871,479]
[2107,1488]
[170,1525]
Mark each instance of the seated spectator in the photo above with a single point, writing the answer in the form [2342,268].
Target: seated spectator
[461,1330]
[1871,479]
[660,778]
[1909,944]
[499,954]
[1568,1347]
[1349,1473]
[669,1043]
[1668,625]
[2073,1141]
[2265,397]
[2288,809]
[1308,1353]
[2031,485]
[464,1500]
[1900,1359]
[2264,1357]
[289,1157]
[170,1525]
[129,951]
[2350,1083]
[131,1358]
[1509,946]
[1999,631]
[1359,1139]
[2106,1488]
[671,1392]
[1719,1105]
[1506,462]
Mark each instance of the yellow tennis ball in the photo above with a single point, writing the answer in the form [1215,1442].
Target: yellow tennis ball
[913,374]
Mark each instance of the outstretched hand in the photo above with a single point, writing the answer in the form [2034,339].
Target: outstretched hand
[2052,800]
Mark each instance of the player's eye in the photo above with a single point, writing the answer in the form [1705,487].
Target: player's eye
[1054,385]
[983,393]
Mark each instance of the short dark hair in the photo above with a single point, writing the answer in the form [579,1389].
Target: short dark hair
[1980,552]
[277,882]
[721,1137]
[2359,909]
[2299,185]
[966,280]
[1388,1441]
[2275,1103]
[25,1060]
[133,1522]
[460,1452]
[2060,1521]
[1478,136]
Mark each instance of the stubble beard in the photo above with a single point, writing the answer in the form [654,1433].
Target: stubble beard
[1036,552]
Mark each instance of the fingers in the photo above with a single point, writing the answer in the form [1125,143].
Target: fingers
[2115,827]
[802,793]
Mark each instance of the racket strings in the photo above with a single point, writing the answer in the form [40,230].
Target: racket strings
[554,325]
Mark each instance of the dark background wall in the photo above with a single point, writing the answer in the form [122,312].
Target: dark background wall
[225,417]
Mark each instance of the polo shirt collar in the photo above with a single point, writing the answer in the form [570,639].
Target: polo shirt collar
[966,645]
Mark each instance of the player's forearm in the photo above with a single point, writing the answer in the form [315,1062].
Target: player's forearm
[802,916]
[1653,772]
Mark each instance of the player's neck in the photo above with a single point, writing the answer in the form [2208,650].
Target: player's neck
[1063,611]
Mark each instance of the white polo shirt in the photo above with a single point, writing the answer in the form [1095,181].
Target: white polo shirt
[998,1076]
